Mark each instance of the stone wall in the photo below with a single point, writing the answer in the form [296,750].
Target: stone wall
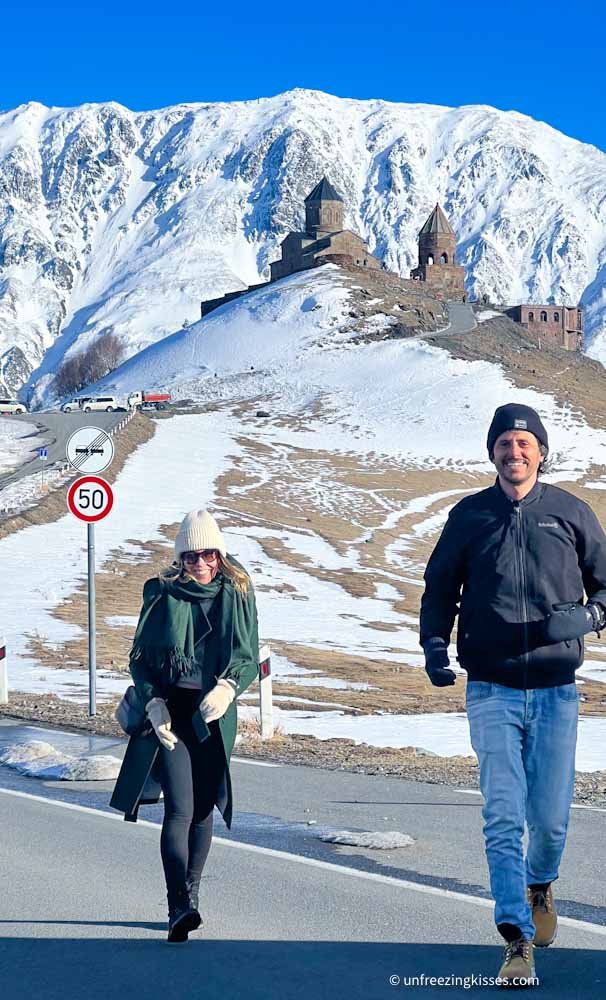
[436,246]
[559,326]
[350,245]
[446,280]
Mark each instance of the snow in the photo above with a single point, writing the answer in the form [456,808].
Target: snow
[26,491]
[388,840]
[442,733]
[38,759]
[488,314]
[18,442]
[125,221]
[593,670]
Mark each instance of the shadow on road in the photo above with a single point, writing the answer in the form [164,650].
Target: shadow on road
[84,969]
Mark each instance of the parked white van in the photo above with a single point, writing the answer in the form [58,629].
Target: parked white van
[108,403]
[12,406]
[89,403]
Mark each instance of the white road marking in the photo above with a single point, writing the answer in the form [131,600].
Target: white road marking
[255,763]
[270,852]
[575,805]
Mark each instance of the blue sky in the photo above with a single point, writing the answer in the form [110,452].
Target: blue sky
[544,59]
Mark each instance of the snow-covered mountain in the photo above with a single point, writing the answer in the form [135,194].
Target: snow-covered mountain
[114,220]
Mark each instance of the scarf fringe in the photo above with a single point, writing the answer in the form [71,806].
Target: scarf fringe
[172,663]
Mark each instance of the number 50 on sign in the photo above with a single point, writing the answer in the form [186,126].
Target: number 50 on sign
[90,498]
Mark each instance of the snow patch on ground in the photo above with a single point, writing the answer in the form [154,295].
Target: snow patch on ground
[38,759]
[26,492]
[379,841]
[444,733]
[16,444]
[593,670]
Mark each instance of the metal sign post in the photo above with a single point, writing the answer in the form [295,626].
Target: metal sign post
[92,623]
[90,499]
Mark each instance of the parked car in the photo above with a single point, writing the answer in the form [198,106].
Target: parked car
[74,405]
[12,406]
[89,403]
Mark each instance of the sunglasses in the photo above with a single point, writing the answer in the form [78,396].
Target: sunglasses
[207,555]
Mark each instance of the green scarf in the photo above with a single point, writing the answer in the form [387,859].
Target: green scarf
[164,639]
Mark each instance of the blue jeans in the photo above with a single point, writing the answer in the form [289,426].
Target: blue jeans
[525,742]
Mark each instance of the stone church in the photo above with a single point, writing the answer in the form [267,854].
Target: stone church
[437,263]
[324,238]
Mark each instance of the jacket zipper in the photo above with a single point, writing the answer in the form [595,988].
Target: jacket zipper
[522,584]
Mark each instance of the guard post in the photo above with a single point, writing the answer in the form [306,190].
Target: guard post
[3,673]
[43,456]
[265,696]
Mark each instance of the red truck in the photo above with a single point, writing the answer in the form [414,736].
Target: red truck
[157,400]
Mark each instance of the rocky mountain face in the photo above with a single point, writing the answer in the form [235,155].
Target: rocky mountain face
[114,220]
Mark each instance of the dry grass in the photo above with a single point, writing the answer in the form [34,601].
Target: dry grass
[342,501]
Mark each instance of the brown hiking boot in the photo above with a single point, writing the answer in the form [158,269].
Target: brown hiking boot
[544,915]
[518,965]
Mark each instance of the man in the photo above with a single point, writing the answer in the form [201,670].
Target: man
[518,557]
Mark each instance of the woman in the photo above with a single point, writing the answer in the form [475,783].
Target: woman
[195,650]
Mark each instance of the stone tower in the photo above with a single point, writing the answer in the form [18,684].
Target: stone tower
[437,245]
[323,210]
[437,240]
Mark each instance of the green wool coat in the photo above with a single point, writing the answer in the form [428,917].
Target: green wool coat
[138,782]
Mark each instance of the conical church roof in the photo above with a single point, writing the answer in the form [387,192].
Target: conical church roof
[324,191]
[437,223]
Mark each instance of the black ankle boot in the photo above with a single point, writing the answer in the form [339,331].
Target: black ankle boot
[193,892]
[182,917]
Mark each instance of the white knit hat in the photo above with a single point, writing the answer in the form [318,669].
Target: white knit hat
[198,531]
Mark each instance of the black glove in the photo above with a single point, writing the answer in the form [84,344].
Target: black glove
[571,621]
[436,662]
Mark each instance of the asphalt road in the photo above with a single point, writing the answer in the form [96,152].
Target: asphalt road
[286,915]
[55,429]
[461,320]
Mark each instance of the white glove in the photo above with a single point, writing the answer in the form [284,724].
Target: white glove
[217,701]
[159,716]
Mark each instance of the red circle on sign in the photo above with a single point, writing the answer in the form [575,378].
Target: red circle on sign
[84,481]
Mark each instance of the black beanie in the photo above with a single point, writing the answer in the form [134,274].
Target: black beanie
[515,417]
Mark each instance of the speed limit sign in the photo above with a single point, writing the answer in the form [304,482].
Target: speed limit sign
[90,498]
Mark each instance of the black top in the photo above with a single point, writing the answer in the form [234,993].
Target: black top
[508,562]
[324,191]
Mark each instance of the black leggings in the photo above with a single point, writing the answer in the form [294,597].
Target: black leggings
[191,775]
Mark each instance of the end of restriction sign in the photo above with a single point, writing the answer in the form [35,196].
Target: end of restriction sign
[90,498]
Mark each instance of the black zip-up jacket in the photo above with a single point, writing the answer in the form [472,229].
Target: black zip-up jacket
[508,562]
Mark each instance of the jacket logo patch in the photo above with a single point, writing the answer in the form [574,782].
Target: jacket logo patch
[547,524]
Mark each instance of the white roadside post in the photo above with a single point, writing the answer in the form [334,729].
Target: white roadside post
[90,499]
[3,674]
[43,456]
[265,698]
